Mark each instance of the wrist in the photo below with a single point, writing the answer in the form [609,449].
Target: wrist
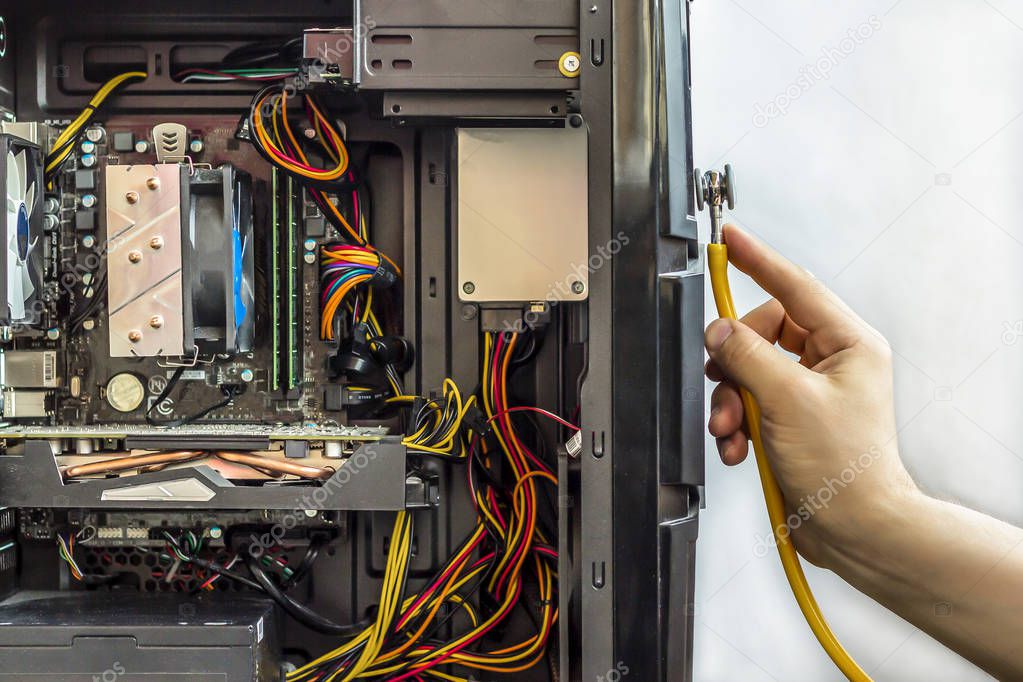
[873,525]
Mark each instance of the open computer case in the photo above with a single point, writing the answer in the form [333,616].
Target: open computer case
[348,339]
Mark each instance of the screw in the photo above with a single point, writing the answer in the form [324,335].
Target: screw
[578,287]
[311,513]
[310,133]
[469,312]
[155,321]
[594,9]
[576,121]
[469,288]
[89,325]
[135,257]
[156,243]
[571,63]
[135,336]
[132,197]
[153,183]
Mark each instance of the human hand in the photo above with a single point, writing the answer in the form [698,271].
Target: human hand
[828,420]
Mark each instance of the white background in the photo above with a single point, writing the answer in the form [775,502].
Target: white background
[897,182]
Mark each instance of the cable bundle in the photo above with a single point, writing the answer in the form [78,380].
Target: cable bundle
[343,268]
[437,428]
[507,562]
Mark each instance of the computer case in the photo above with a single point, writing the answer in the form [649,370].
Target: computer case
[623,345]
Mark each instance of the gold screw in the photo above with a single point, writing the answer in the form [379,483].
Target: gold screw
[155,321]
[153,183]
[135,336]
[156,243]
[135,257]
[132,197]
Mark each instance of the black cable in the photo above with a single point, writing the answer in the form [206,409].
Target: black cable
[311,554]
[296,610]
[98,292]
[230,392]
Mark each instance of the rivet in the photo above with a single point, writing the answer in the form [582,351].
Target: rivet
[156,322]
[153,183]
[132,197]
[135,257]
[156,243]
[135,336]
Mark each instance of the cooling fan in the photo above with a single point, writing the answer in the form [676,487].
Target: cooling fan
[21,173]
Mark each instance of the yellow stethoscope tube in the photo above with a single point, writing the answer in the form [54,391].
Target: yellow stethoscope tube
[717,261]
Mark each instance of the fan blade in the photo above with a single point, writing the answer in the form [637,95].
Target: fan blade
[15,298]
[22,161]
[27,288]
[30,199]
[13,180]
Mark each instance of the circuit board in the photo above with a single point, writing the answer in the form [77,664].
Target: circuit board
[288,235]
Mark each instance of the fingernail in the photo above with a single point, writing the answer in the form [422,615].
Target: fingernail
[717,332]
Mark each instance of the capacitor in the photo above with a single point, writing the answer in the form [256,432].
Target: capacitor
[332,449]
[142,146]
[88,147]
[95,134]
[75,386]
[51,205]
[309,244]
[216,532]
[89,325]
[247,375]
[83,446]
[196,145]
[53,333]
[88,241]
[88,160]
[50,222]
[310,257]
[88,200]
[125,392]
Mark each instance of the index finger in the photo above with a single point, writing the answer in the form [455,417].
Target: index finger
[808,302]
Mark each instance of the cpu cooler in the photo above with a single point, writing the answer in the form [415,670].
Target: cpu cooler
[21,258]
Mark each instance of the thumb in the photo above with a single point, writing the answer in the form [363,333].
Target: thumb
[746,358]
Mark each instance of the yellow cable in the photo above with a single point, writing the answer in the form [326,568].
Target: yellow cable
[717,260]
[83,118]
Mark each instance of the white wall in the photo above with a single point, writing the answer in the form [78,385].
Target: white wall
[895,180]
